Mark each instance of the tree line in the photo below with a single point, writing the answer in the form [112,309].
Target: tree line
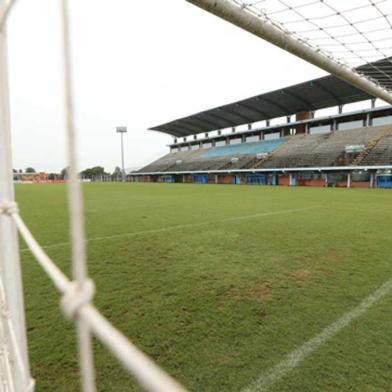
[89,173]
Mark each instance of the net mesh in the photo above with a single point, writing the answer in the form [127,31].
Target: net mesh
[356,34]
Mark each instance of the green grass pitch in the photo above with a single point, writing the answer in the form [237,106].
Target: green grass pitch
[219,283]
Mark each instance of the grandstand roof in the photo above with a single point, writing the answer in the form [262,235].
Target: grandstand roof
[312,95]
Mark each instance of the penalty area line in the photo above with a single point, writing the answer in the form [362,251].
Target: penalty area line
[170,228]
[294,359]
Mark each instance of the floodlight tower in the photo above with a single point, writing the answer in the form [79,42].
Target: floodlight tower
[122,130]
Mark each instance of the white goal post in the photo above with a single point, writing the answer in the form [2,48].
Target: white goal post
[258,23]
[12,323]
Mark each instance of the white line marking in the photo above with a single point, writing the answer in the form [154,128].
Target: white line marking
[169,228]
[292,360]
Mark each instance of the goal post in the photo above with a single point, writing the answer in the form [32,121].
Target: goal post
[13,320]
[233,12]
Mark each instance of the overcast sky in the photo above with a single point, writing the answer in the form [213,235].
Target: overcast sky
[136,63]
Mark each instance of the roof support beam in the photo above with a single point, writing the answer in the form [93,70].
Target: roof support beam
[297,97]
[207,122]
[252,108]
[282,108]
[176,132]
[239,115]
[227,122]
[327,90]
[188,126]
[232,13]
[191,125]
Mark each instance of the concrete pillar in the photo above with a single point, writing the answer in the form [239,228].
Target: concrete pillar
[372,180]
[373,103]
[367,121]
[216,178]
[349,180]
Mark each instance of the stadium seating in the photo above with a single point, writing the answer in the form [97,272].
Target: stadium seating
[293,151]
[381,154]
[321,150]
[253,148]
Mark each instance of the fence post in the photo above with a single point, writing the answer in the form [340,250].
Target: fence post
[9,251]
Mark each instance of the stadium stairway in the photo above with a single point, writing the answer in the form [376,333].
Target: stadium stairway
[240,164]
[260,162]
[381,153]
[319,149]
[371,144]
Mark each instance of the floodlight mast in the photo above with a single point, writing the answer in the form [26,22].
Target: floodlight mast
[122,130]
[233,13]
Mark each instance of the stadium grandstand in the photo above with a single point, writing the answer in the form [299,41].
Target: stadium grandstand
[348,149]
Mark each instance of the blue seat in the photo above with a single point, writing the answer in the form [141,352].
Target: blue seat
[253,148]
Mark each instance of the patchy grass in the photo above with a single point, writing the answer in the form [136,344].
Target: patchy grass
[217,300]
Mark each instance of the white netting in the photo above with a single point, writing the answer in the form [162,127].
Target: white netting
[355,33]
[77,294]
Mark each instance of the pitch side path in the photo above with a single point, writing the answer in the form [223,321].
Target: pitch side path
[229,288]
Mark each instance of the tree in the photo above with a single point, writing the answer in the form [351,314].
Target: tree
[117,173]
[93,172]
[30,170]
[64,173]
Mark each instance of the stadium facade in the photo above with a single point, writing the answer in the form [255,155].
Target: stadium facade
[352,149]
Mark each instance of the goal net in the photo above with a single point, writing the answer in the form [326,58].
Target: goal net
[76,293]
[351,40]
